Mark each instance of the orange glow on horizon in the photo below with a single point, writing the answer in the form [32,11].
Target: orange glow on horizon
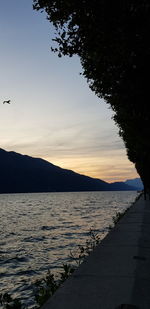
[107,169]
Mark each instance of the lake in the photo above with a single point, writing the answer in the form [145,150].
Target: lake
[38,230]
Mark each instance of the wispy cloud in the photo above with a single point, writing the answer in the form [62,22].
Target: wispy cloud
[89,152]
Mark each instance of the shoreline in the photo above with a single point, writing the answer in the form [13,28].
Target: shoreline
[115,273]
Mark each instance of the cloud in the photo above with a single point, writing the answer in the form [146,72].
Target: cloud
[71,148]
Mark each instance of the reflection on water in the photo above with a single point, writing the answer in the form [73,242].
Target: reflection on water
[39,230]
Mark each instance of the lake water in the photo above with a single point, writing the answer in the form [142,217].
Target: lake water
[37,232]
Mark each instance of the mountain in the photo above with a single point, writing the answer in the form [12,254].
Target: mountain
[120,186]
[22,173]
[136,182]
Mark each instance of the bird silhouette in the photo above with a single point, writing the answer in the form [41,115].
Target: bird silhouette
[7,101]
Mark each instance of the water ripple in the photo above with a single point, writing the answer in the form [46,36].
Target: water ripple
[39,230]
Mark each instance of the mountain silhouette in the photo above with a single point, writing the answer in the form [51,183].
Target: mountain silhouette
[136,182]
[21,173]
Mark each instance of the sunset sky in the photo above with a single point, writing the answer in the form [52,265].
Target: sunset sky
[54,114]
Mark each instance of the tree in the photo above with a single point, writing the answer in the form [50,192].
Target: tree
[112,40]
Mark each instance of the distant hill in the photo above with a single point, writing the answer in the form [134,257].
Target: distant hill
[136,182]
[22,173]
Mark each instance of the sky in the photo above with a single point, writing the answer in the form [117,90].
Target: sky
[53,114]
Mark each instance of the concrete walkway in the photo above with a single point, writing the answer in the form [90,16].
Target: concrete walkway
[117,273]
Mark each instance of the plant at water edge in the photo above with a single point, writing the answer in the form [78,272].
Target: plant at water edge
[117,217]
[68,271]
[7,302]
[79,254]
[47,286]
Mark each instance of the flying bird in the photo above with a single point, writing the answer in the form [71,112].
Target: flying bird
[8,102]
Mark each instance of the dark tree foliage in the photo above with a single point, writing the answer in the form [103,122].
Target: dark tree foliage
[112,40]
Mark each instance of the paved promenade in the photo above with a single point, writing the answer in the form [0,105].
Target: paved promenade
[117,274]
